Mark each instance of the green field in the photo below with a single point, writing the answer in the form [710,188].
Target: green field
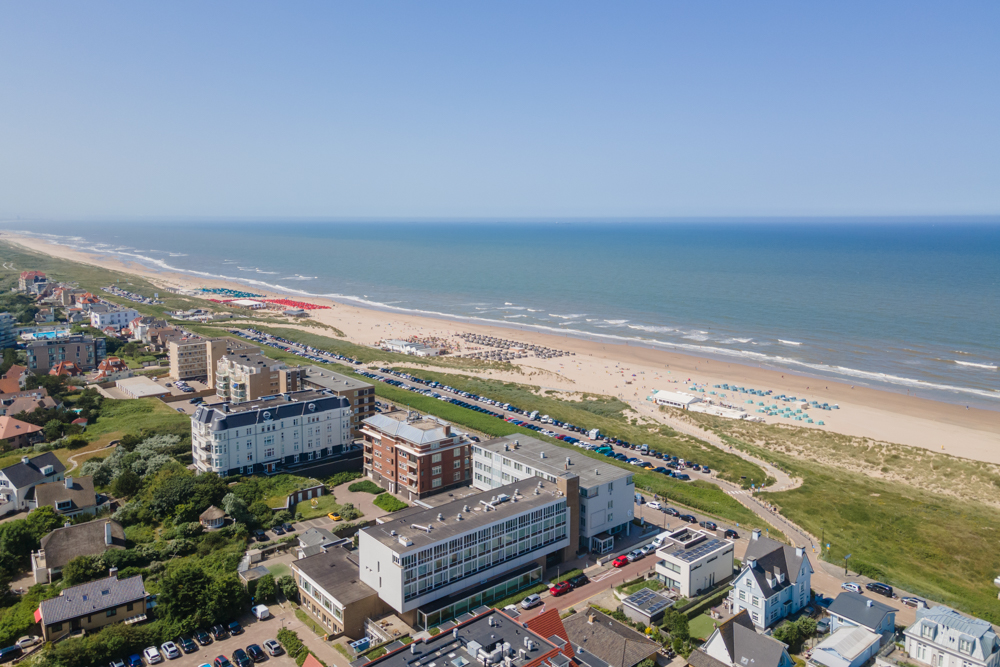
[701,627]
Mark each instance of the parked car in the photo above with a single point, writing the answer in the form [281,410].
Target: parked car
[135,660]
[170,650]
[222,661]
[730,533]
[288,527]
[334,516]
[560,588]
[648,549]
[913,602]
[187,644]
[880,588]
[241,658]
[278,530]
[851,586]
[634,555]
[116,663]
[10,653]
[152,655]
[688,518]
[255,653]
[653,504]
[273,647]
[260,535]
[579,580]
[235,628]
[218,632]
[28,641]
[621,561]
[710,525]
[202,637]
[532,600]
[670,511]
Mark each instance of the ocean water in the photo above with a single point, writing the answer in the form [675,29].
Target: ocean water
[907,305]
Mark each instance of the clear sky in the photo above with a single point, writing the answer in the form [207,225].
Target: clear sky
[498,109]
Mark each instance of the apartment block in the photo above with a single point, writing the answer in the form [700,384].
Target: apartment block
[267,435]
[431,565]
[84,351]
[242,377]
[607,492]
[193,357]
[418,456]
[694,562]
[112,316]
[360,394]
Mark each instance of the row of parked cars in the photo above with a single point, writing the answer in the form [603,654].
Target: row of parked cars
[556,589]
[290,346]
[172,650]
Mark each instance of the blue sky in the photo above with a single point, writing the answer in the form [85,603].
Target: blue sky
[514,109]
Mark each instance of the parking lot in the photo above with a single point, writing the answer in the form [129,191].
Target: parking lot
[254,632]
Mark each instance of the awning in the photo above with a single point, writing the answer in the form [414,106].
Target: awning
[38,615]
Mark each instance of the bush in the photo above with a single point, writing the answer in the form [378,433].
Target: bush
[367,486]
[389,502]
[266,590]
[289,640]
[342,478]
[289,588]
[82,569]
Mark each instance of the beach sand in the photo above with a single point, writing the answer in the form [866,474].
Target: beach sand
[604,368]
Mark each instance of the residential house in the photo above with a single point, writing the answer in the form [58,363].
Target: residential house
[114,316]
[942,637]
[18,482]
[15,433]
[26,401]
[112,369]
[614,643]
[332,593]
[31,281]
[693,561]
[736,643]
[67,368]
[848,646]
[856,610]
[45,315]
[92,606]
[62,545]
[549,625]
[14,379]
[69,497]
[774,581]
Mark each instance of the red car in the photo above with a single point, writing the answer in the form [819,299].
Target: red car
[560,588]
[621,561]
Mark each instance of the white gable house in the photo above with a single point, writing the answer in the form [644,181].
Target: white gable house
[774,582]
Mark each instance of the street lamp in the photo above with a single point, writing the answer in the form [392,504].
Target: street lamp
[845,563]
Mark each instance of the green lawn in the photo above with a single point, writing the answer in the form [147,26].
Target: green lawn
[310,509]
[278,488]
[389,502]
[701,627]
[651,584]
[278,570]
[119,417]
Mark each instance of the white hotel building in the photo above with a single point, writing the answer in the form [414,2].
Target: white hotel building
[263,436]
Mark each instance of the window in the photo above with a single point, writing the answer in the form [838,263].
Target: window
[436,483]
[965,646]
[756,617]
[112,612]
[435,458]
[756,601]
[927,630]
[743,595]
[436,470]
[129,607]
[458,476]
[458,464]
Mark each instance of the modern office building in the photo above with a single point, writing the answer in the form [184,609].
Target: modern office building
[693,562]
[431,565]
[418,456]
[84,351]
[360,394]
[607,492]
[264,436]
[249,376]
[193,357]
[112,316]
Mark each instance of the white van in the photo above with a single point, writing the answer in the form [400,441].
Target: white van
[660,539]
[261,612]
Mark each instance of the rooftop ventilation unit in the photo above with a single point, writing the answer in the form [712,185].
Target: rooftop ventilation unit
[440,516]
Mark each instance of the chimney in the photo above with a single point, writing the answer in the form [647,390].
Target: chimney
[755,534]
[107,534]
[800,551]
[751,563]
[590,620]
[543,454]
[69,482]
[24,460]
[113,572]
[67,524]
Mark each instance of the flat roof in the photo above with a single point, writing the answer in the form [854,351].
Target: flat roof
[699,550]
[648,601]
[327,379]
[529,452]
[336,573]
[272,402]
[459,645]
[477,516]
[675,397]
[141,386]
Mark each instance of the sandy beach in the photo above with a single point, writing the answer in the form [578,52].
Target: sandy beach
[633,372]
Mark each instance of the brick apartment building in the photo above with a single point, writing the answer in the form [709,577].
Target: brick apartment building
[419,456]
[360,394]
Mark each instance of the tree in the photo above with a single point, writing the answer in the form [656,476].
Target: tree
[226,598]
[126,485]
[289,588]
[237,509]
[266,590]
[83,569]
[9,359]
[262,514]
[184,592]
[52,430]
[42,521]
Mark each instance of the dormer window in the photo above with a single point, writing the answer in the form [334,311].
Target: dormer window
[965,646]
[927,630]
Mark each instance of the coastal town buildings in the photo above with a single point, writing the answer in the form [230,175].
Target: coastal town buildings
[7,324]
[112,316]
[93,605]
[193,357]
[416,455]
[675,399]
[84,351]
[852,609]
[606,492]
[331,593]
[18,481]
[433,564]
[614,644]
[242,377]
[140,386]
[360,394]
[693,562]
[69,498]
[28,400]
[58,548]
[736,643]
[15,433]
[774,581]
[941,637]
[31,282]
[267,435]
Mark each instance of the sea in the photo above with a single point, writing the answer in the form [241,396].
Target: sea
[908,305]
